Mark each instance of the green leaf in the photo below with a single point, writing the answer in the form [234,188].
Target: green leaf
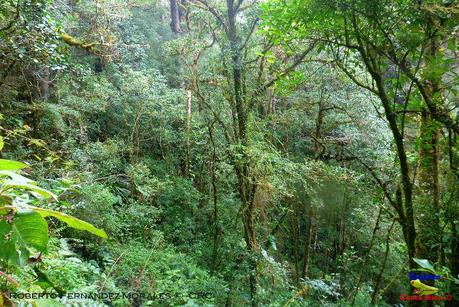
[1,143]
[424,263]
[8,251]
[424,270]
[32,229]
[17,178]
[27,229]
[27,186]
[8,165]
[71,221]
[20,182]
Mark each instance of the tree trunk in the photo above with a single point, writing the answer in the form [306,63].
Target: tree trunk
[175,27]
[429,236]
[175,16]
[245,186]
[454,263]
[405,206]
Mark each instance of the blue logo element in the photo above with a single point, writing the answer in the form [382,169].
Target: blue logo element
[421,277]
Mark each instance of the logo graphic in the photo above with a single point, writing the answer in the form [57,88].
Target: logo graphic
[422,289]
[422,277]
[424,292]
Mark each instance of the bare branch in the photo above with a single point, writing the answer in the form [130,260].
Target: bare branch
[298,60]
[252,29]
[211,10]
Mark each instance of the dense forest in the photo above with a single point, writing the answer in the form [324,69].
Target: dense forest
[229,153]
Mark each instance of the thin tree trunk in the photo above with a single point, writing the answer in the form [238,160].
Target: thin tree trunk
[367,256]
[186,166]
[454,263]
[271,102]
[308,242]
[217,230]
[383,266]
[295,232]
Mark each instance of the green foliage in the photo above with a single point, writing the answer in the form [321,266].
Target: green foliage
[279,187]
[97,204]
[23,228]
[30,34]
[169,276]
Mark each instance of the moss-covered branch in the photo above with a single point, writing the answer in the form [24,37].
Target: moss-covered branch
[72,41]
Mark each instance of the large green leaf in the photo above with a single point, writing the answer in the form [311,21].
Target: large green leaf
[71,221]
[425,264]
[8,250]
[27,186]
[18,178]
[32,229]
[8,165]
[26,229]
[18,181]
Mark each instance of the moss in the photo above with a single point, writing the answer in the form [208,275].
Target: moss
[72,41]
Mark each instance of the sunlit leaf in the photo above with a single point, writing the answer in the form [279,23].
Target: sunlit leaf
[9,165]
[11,184]
[71,221]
